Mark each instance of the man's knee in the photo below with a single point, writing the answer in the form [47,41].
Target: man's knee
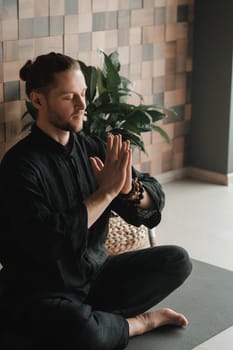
[179,262]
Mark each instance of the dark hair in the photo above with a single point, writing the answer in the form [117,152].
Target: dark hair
[39,75]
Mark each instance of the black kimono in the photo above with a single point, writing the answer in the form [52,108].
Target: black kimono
[56,271]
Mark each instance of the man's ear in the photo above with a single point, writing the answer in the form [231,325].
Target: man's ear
[36,99]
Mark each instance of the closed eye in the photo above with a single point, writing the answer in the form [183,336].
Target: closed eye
[68,97]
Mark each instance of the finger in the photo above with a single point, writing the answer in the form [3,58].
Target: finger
[115,148]
[124,149]
[127,162]
[94,164]
[119,145]
[130,161]
[109,147]
[124,157]
[110,140]
[99,163]
[129,165]
[127,144]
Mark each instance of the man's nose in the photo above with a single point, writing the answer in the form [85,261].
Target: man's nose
[80,102]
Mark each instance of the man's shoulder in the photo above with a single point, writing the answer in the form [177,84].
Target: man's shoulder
[18,151]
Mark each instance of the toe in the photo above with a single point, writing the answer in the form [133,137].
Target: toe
[183,321]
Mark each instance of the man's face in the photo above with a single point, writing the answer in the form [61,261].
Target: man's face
[65,104]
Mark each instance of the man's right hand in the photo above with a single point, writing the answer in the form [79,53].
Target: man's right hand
[115,174]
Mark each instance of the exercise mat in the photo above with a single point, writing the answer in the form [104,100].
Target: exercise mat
[205,299]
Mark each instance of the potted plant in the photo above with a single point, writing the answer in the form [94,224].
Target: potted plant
[108,111]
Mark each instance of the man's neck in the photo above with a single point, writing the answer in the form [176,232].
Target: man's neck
[58,135]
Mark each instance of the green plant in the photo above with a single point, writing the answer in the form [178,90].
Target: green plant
[108,110]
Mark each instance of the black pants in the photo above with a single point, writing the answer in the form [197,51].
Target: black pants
[128,284]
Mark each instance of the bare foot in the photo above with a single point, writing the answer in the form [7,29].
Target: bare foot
[153,319]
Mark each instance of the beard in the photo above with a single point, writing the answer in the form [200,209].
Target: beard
[75,124]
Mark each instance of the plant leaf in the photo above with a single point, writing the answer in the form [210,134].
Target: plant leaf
[24,115]
[27,125]
[101,82]
[114,57]
[135,140]
[110,73]
[156,115]
[90,75]
[120,108]
[161,132]
[138,116]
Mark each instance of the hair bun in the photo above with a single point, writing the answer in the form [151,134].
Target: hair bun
[24,72]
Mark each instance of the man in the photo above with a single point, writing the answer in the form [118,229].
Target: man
[57,189]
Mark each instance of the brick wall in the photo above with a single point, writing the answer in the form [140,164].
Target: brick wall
[153,38]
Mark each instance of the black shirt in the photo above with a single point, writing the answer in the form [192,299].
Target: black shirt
[45,245]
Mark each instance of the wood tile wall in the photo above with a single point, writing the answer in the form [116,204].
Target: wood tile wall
[153,38]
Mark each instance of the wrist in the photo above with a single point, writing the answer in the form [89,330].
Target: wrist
[127,193]
[135,195]
[106,195]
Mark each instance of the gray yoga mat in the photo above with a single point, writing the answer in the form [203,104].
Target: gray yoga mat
[206,299]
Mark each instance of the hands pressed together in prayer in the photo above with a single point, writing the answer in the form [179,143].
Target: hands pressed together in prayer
[115,175]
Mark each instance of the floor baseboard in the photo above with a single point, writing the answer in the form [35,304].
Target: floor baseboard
[208,176]
[196,173]
[171,175]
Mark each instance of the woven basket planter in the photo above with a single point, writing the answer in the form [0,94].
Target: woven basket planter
[124,237]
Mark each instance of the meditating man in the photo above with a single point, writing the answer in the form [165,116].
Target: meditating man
[57,189]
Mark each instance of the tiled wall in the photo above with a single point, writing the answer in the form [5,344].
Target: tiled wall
[153,38]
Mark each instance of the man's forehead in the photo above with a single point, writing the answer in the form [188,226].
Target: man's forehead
[67,80]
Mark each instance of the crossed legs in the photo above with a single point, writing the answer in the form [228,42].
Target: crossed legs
[131,283]
[126,287]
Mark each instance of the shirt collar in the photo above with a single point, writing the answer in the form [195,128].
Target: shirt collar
[47,142]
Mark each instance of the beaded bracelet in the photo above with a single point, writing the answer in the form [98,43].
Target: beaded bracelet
[136,193]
